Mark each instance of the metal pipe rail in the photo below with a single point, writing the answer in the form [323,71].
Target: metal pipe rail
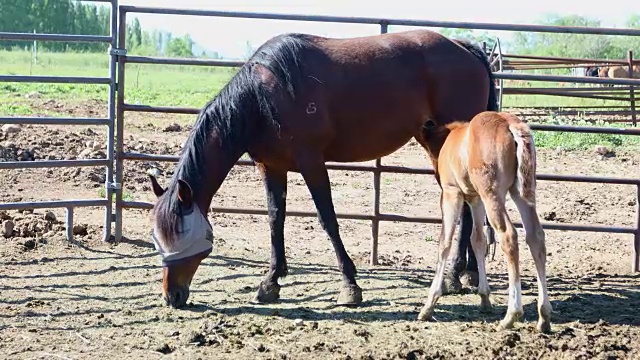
[378,168]
[56,79]
[382,21]
[53,37]
[22,120]
[395,217]
[110,80]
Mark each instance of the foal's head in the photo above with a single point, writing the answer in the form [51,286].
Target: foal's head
[182,235]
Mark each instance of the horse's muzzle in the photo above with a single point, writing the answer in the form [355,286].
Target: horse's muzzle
[177,298]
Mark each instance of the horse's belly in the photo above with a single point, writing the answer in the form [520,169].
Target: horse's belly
[365,147]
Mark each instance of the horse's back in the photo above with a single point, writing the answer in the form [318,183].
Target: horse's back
[492,149]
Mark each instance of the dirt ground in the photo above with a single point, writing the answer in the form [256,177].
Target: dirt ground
[89,299]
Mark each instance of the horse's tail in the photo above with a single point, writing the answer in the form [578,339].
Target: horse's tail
[492,103]
[526,157]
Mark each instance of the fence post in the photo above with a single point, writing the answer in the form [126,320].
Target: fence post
[35,50]
[635,266]
[375,222]
[109,184]
[122,23]
[632,99]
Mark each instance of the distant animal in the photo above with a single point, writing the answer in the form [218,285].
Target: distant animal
[591,71]
[619,72]
[478,164]
[297,103]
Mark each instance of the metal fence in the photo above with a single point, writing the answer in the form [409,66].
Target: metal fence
[624,94]
[109,122]
[116,155]
[376,216]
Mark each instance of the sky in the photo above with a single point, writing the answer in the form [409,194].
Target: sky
[229,36]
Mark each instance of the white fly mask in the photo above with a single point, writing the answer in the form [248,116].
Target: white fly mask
[194,237]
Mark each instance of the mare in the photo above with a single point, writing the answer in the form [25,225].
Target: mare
[303,100]
[479,163]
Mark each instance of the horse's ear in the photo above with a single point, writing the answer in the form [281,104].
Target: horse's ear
[185,195]
[157,189]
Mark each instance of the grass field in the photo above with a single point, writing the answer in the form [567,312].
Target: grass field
[193,86]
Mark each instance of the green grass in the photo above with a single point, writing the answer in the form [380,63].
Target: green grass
[579,141]
[165,85]
[193,86]
[125,195]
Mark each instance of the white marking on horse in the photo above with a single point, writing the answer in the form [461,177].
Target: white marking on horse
[311,108]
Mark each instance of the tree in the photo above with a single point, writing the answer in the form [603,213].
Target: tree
[180,47]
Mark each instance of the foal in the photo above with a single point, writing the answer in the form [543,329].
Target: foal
[479,163]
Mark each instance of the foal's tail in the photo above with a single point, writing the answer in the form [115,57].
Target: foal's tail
[526,156]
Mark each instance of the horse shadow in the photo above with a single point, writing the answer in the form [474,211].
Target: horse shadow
[613,299]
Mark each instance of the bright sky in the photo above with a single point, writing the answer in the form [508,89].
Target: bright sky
[229,36]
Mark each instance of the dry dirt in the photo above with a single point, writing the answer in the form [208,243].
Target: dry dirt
[89,299]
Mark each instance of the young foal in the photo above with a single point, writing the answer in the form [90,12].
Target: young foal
[479,163]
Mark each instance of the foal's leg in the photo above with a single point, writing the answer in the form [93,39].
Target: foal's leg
[499,219]
[314,172]
[451,204]
[536,241]
[275,182]
[479,244]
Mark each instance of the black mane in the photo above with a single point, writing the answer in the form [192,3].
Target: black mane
[234,114]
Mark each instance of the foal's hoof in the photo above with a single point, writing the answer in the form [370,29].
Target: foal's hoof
[350,295]
[267,293]
[544,326]
[485,304]
[426,314]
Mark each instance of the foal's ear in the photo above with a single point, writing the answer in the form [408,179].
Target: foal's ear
[185,195]
[157,189]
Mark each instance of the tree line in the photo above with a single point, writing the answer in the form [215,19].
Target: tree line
[563,45]
[77,18]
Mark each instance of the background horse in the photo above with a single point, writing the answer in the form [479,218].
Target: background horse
[298,102]
[591,71]
[619,72]
[479,163]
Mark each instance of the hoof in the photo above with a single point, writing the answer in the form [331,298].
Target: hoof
[350,295]
[508,321]
[267,293]
[544,327]
[426,315]
[485,304]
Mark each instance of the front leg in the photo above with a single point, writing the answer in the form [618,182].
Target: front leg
[275,182]
[314,172]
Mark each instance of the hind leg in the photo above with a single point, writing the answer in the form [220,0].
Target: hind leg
[506,232]
[450,204]
[479,244]
[536,241]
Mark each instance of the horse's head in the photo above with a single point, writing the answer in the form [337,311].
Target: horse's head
[183,237]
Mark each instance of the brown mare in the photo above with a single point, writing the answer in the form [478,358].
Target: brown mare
[298,102]
[480,162]
[618,72]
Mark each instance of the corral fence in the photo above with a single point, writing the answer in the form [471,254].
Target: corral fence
[117,156]
[108,162]
[607,113]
